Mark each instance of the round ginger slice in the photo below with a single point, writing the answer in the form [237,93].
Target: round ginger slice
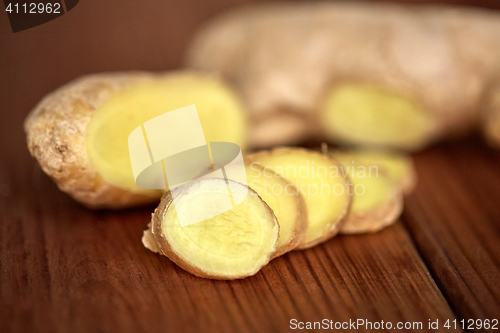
[377,199]
[319,180]
[286,203]
[234,244]
[397,166]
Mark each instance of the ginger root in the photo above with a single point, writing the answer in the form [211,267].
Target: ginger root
[398,167]
[319,180]
[79,133]
[286,202]
[231,245]
[364,74]
[377,199]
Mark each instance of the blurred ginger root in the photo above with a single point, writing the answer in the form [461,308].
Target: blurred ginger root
[357,73]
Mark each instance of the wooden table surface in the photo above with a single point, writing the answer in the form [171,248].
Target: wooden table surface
[67,269]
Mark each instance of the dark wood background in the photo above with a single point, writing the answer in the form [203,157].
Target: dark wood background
[66,269]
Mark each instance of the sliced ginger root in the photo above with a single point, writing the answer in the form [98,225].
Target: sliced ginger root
[79,132]
[368,116]
[234,244]
[318,179]
[221,115]
[397,166]
[285,201]
[377,200]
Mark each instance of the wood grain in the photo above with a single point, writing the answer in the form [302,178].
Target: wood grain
[454,219]
[65,268]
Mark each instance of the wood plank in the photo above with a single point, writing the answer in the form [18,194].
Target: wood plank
[454,219]
[64,268]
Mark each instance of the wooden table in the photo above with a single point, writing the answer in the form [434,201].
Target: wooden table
[66,269]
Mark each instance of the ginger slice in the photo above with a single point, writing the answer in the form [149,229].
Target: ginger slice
[319,180]
[220,112]
[285,201]
[397,166]
[369,116]
[377,200]
[231,245]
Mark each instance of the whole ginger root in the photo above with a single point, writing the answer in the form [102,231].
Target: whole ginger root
[364,74]
[79,133]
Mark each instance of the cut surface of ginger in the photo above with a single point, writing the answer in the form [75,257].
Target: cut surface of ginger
[221,116]
[371,188]
[397,166]
[377,200]
[233,244]
[364,115]
[285,201]
[319,180]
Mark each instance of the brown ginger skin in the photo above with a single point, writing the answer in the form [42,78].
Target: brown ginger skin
[56,133]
